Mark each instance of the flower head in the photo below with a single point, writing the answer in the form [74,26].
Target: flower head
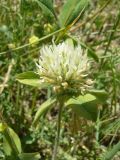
[64,67]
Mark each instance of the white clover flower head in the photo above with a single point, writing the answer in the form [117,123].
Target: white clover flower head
[64,67]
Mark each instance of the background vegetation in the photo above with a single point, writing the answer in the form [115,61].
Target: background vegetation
[97,28]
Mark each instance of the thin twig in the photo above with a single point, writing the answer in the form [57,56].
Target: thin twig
[6,76]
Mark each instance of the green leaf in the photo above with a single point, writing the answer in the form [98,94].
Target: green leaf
[2,156]
[91,52]
[101,95]
[71,10]
[85,106]
[43,109]
[29,78]
[47,6]
[28,75]
[11,143]
[111,153]
[29,156]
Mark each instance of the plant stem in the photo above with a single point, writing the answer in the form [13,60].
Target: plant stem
[40,40]
[58,133]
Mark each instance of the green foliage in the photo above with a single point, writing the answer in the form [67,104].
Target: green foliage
[85,106]
[111,153]
[71,10]
[46,5]
[98,33]
[44,108]
[12,146]
[11,143]
[101,95]
[91,52]
[29,156]
[29,78]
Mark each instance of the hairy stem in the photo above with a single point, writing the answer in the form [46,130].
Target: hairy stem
[54,157]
